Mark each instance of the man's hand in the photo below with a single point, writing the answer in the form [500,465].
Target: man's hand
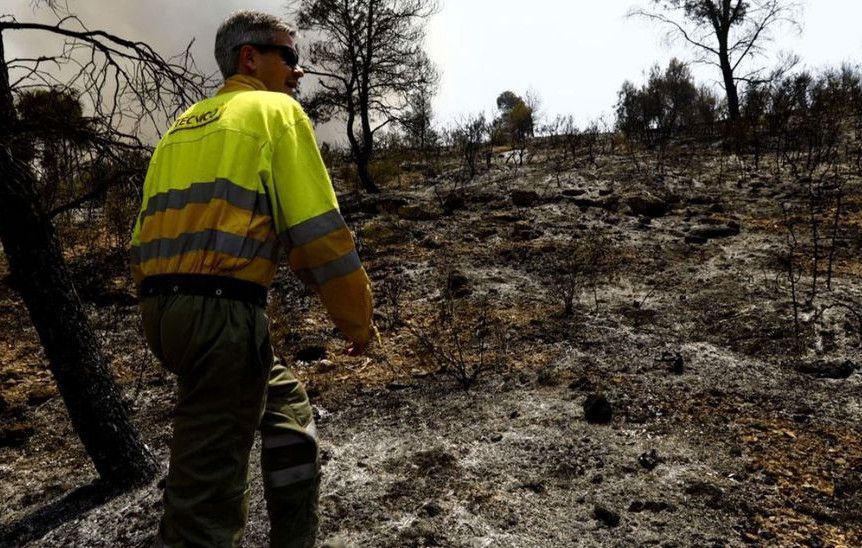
[358,349]
[355,349]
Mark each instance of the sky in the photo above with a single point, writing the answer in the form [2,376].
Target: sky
[573,54]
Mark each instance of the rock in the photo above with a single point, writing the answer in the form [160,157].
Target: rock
[452,202]
[574,192]
[524,198]
[700,200]
[431,242]
[415,166]
[609,203]
[705,490]
[648,205]
[390,204]
[310,353]
[418,213]
[597,409]
[673,361]
[379,232]
[521,233]
[651,506]
[15,434]
[649,460]
[40,394]
[606,516]
[535,486]
[431,508]
[582,383]
[825,369]
[710,231]
[458,284]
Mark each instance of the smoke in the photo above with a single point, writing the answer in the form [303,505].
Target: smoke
[169,26]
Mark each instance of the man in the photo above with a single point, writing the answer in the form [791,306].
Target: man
[237,178]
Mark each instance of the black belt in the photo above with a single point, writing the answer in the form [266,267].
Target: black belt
[206,286]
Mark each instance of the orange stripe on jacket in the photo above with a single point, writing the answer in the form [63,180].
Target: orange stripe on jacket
[218,214]
[322,250]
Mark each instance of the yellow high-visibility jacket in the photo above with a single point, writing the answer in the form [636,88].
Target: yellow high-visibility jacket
[237,178]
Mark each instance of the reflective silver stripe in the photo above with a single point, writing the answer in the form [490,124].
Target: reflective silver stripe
[341,266]
[314,228]
[291,438]
[289,476]
[203,193]
[311,430]
[284,440]
[209,240]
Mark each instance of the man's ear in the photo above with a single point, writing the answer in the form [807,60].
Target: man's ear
[247,60]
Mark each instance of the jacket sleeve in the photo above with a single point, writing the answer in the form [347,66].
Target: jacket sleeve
[320,247]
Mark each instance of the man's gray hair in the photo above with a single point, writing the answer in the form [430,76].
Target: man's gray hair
[245,27]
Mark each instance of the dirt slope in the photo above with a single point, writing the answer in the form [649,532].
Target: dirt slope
[721,434]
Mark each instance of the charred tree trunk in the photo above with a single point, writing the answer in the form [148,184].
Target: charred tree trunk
[366,150]
[43,280]
[365,178]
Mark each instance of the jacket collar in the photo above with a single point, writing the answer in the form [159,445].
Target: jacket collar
[241,82]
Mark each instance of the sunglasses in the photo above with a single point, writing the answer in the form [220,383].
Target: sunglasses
[288,54]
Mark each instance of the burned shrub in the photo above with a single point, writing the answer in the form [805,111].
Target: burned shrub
[390,293]
[468,138]
[465,340]
[582,263]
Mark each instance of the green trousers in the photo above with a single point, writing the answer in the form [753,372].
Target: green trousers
[229,386]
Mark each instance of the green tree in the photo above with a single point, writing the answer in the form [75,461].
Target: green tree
[515,122]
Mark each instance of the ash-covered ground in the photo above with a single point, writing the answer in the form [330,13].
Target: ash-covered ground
[681,403]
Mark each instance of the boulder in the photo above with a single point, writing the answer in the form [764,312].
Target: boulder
[418,213]
[711,231]
[609,203]
[597,409]
[606,516]
[574,192]
[825,369]
[380,232]
[452,202]
[310,353]
[649,460]
[15,434]
[648,205]
[524,198]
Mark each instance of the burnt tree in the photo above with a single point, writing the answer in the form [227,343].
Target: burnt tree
[143,86]
[369,60]
[723,33]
